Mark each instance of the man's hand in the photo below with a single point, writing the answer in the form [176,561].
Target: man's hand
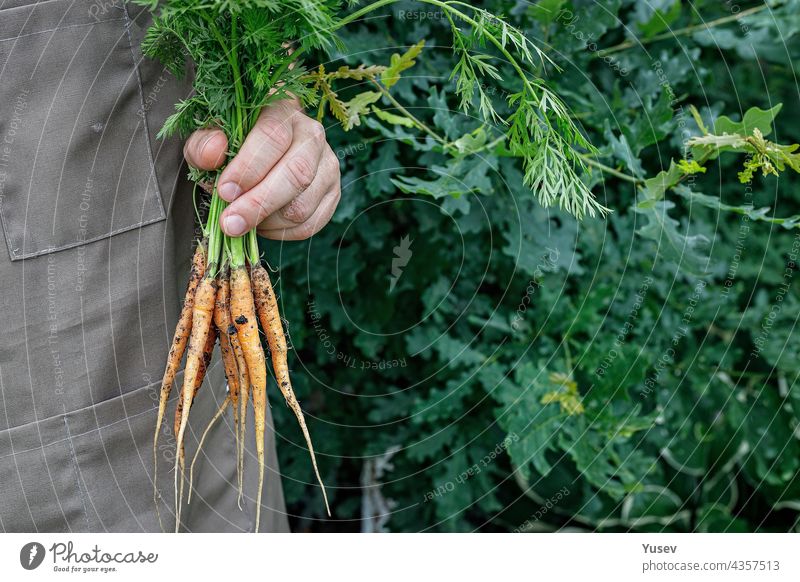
[285,179]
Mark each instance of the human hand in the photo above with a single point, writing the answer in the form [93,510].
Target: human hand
[284,181]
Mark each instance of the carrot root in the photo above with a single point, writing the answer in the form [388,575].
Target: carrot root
[211,423]
[178,346]
[222,320]
[199,350]
[268,313]
[244,317]
[229,309]
[208,352]
[244,391]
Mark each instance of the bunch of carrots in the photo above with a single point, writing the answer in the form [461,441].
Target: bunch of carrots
[244,59]
[228,294]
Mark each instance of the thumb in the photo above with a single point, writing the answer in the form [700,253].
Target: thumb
[205,149]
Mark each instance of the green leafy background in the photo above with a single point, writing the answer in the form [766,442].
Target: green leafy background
[529,372]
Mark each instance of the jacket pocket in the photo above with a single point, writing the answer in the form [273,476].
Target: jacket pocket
[41,492]
[84,470]
[75,159]
[113,444]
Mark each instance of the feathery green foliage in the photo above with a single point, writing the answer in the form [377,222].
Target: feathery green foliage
[249,54]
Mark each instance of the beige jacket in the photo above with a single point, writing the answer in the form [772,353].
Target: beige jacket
[97,217]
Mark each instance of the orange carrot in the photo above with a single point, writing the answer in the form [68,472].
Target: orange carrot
[267,307]
[202,316]
[180,337]
[243,313]
[222,320]
[244,390]
[208,352]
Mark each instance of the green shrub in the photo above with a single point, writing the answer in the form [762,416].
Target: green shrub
[478,362]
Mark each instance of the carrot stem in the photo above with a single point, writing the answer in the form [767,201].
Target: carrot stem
[237,252]
[254,254]
[215,237]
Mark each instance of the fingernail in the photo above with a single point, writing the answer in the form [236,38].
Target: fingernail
[235,225]
[229,191]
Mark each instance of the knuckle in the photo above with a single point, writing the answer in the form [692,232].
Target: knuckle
[297,211]
[304,231]
[268,234]
[331,162]
[300,173]
[317,130]
[255,210]
[276,134]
